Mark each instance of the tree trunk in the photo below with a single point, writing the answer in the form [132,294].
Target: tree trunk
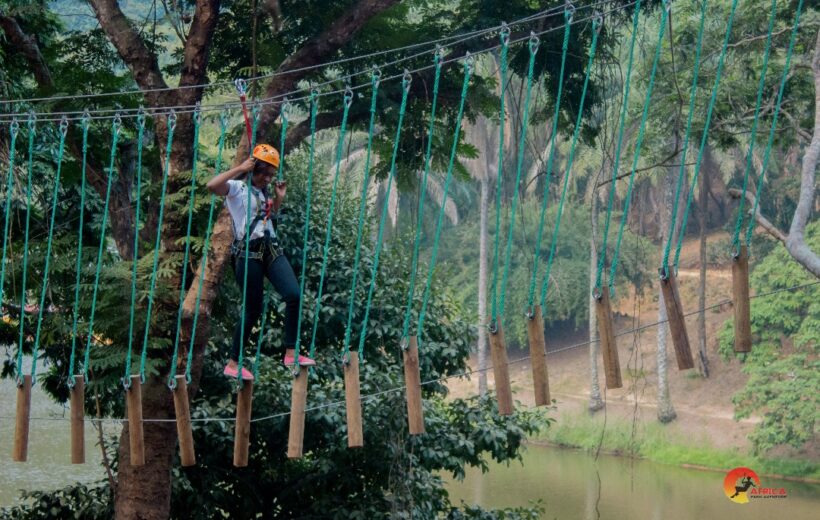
[666,413]
[482,285]
[595,401]
[703,212]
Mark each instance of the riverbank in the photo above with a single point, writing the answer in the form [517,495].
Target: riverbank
[654,442]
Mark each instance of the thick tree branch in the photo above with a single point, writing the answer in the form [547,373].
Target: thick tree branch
[274,10]
[197,48]
[763,221]
[796,243]
[27,46]
[140,61]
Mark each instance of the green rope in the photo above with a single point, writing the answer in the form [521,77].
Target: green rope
[223,128]
[406,80]
[172,123]
[249,184]
[505,41]
[550,160]
[126,380]
[682,172]
[14,130]
[705,134]
[753,135]
[596,30]
[438,60]
[314,109]
[55,193]
[468,69]
[86,121]
[31,133]
[784,78]
[348,100]
[279,177]
[667,8]
[197,117]
[374,83]
[533,49]
[622,121]
[116,125]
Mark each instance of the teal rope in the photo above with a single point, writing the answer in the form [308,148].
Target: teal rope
[705,134]
[437,59]
[468,68]
[14,130]
[172,123]
[406,80]
[622,120]
[374,83]
[667,8]
[55,193]
[223,128]
[682,172]
[505,40]
[279,177]
[86,121]
[137,213]
[31,133]
[255,113]
[116,124]
[784,78]
[348,100]
[197,117]
[596,29]
[760,88]
[314,109]
[550,159]
[533,49]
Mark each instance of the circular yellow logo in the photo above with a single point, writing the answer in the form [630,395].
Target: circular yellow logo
[737,484]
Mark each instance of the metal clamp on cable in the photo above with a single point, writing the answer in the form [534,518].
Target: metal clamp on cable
[376,76]
[597,21]
[63,126]
[241,86]
[504,34]
[493,326]
[469,59]
[404,344]
[597,293]
[663,272]
[438,56]
[406,80]
[569,10]
[534,42]
[348,97]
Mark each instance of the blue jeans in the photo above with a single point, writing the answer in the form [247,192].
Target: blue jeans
[280,273]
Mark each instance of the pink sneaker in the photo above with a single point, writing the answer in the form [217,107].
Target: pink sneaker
[232,372]
[304,361]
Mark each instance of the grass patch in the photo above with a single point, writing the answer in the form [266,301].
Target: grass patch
[653,442]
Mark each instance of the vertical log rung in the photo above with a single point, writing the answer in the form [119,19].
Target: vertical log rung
[135,431]
[296,433]
[538,357]
[78,420]
[242,432]
[21,427]
[677,323]
[412,381]
[740,298]
[501,371]
[187,455]
[609,346]
[353,402]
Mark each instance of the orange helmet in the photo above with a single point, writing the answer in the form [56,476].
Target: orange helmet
[266,153]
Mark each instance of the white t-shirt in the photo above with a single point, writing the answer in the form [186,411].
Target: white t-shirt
[237,201]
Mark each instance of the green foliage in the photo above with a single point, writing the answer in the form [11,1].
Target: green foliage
[783,367]
[567,298]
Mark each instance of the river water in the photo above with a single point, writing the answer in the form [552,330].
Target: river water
[570,485]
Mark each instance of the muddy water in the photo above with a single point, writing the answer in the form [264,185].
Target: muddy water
[571,485]
[49,456]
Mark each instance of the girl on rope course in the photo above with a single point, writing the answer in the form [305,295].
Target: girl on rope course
[265,258]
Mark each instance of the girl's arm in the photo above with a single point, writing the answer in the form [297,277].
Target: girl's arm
[219,184]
